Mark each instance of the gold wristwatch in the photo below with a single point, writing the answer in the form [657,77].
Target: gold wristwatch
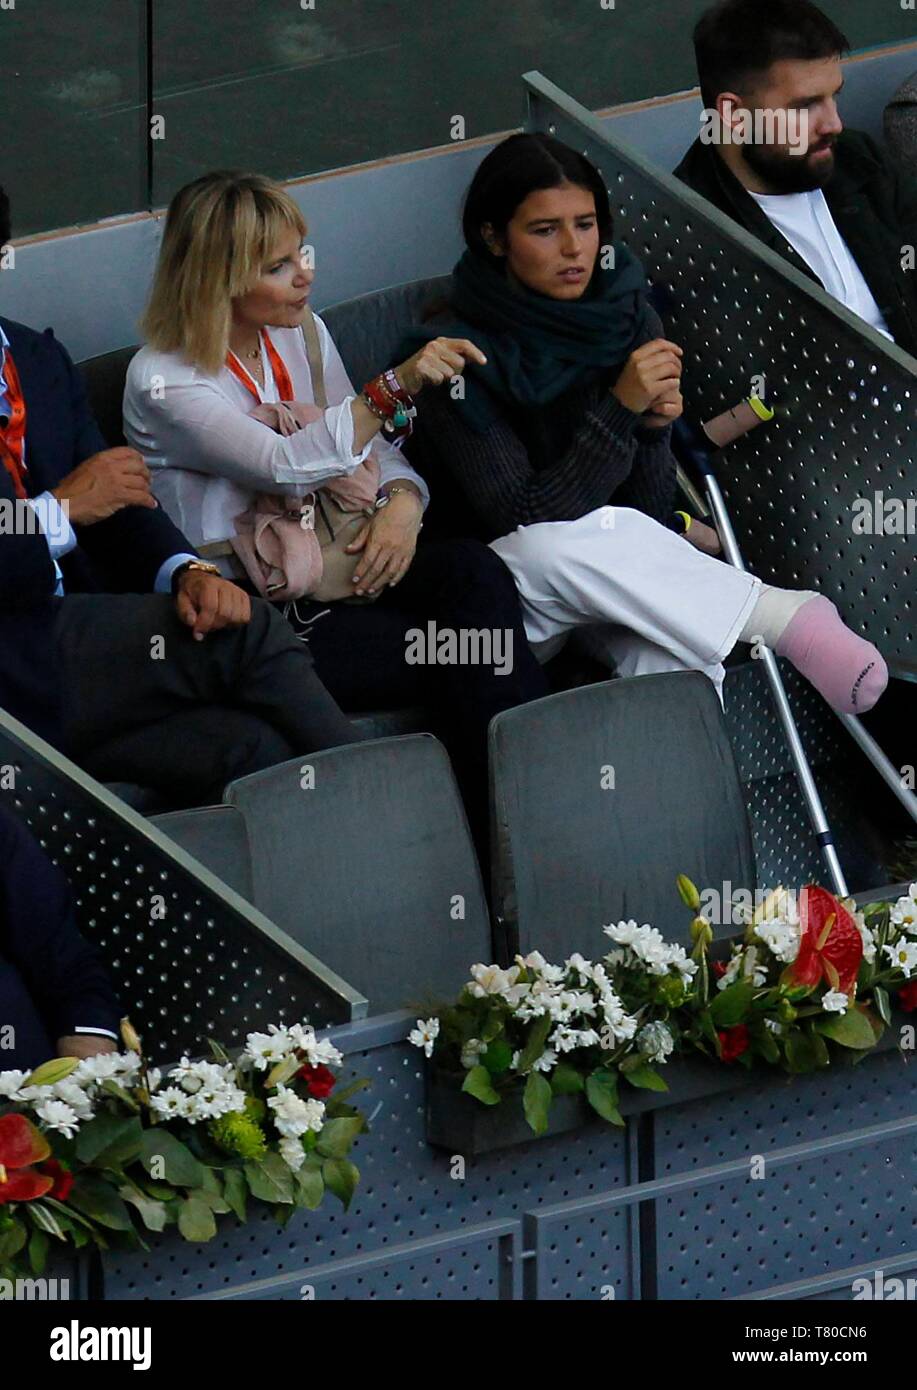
[201,565]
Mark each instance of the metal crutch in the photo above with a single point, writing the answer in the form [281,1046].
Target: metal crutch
[822,830]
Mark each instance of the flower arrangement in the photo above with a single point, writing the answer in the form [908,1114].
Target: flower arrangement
[801,977]
[100,1150]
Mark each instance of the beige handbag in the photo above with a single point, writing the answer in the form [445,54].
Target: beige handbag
[335,528]
[282,545]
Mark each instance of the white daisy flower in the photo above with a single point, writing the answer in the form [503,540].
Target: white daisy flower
[425,1035]
[57,1115]
[903,956]
[834,1002]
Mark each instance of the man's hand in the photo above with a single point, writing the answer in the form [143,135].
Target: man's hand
[103,485]
[704,538]
[206,603]
[85,1045]
[388,543]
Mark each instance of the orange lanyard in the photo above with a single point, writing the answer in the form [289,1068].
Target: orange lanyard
[12,437]
[278,367]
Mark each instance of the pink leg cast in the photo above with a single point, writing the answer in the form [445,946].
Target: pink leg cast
[846,669]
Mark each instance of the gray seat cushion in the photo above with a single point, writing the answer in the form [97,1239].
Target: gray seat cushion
[368,330]
[601,797]
[372,869]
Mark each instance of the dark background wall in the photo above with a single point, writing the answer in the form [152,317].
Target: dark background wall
[290,91]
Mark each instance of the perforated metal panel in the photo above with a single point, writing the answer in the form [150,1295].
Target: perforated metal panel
[407,1194]
[846,423]
[731,1239]
[190,960]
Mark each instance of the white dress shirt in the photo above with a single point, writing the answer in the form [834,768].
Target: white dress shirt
[52,518]
[208,458]
[806,222]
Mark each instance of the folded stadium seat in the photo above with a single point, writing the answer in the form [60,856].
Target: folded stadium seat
[104,378]
[215,835]
[372,868]
[600,797]
[367,330]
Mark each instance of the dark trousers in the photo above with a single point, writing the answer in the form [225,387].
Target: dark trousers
[144,702]
[360,653]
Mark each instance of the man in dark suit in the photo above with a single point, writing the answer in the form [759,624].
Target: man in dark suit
[56,997]
[117,643]
[774,156]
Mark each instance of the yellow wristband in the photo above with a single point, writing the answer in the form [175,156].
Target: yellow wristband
[687,520]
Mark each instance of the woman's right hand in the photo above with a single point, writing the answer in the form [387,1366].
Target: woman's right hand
[652,371]
[437,361]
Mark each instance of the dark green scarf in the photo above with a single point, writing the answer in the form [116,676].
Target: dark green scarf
[537,348]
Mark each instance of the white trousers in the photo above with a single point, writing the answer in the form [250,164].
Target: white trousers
[640,595]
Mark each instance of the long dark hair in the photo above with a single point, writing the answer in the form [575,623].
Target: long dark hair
[521,165]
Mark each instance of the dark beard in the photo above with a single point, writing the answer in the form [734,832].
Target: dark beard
[787,173]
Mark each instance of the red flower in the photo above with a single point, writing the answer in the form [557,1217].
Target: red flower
[907,997]
[21,1145]
[719,968]
[320,1081]
[63,1179]
[733,1042]
[830,948]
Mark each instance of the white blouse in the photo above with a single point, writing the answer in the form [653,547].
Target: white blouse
[207,456]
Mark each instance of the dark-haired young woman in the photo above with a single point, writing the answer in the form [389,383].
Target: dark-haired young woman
[556,450]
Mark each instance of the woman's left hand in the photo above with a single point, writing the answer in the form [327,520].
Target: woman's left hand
[663,411]
[388,542]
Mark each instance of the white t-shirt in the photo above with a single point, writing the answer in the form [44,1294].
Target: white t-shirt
[806,222]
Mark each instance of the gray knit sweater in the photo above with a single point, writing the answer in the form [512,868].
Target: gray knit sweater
[487,483]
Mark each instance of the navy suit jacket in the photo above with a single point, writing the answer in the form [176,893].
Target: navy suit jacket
[120,555]
[51,980]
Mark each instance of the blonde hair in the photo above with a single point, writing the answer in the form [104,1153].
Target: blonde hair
[219,233]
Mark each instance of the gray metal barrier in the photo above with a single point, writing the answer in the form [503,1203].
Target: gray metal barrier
[190,958]
[846,398]
[730,1186]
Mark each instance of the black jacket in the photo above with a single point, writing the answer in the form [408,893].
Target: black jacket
[122,554]
[52,982]
[873,205]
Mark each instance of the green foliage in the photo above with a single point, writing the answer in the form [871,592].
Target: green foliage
[536,1101]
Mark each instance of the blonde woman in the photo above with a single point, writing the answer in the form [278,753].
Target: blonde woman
[221,403]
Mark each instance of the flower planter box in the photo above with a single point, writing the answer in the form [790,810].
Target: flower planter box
[460,1124]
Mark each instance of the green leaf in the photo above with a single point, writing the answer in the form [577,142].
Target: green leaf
[766,1046]
[498,1057]
[478,1084]
[731,1004]
[235,1190]
[883,1004]
[111,1088]
[38,1251]
[109,1140]
[12,1240]
[349,1090]
[95,1197]
[800,1054]
[42,1217]
[566,1080]
[646,1077]
[602,1095]
[819,1048]
[536,1101]
[336,1137]
[153,1214]
[164,1156]
[269,1179]
[851,1029]
[196,1221]
[310,1186]
[537,1038]
[341,1178]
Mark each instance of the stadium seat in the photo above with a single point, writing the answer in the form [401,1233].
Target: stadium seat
[216,836]
[600,797]
[367,330]
[366,860]
[104,377]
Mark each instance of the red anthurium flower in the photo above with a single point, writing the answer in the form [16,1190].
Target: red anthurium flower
[62,1178]
[719,968]
[320,1081]
[733,1042]
[21,1145]
[907,997]
[830,948]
